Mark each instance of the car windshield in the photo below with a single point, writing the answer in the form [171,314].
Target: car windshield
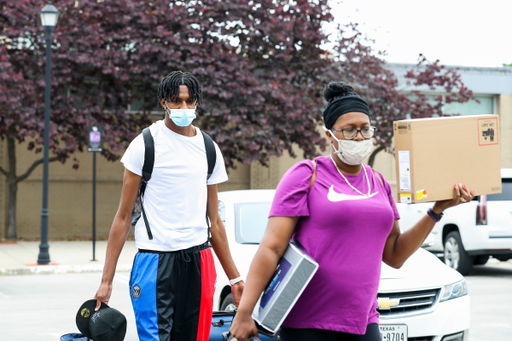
[250,221]
[506,192]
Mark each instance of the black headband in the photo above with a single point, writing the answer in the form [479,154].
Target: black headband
[343,105]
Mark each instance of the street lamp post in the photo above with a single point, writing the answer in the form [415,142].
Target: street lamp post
[49,15]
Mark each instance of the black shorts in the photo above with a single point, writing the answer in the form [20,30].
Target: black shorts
[172,294]
[295,334]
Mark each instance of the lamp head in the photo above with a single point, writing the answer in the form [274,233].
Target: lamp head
[49,15]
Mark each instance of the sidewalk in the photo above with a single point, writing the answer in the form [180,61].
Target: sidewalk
[20,258]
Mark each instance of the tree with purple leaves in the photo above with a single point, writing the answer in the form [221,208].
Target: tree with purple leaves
[263,66]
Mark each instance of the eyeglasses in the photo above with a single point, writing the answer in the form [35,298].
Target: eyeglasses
[351,133]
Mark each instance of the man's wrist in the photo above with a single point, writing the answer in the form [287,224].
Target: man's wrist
[235,280]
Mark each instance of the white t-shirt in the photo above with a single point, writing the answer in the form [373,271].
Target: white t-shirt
[176,194]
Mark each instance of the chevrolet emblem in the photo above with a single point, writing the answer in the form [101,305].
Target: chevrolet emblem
[385,303]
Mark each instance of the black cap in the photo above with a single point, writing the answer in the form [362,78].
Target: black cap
[107,324]
[84,314]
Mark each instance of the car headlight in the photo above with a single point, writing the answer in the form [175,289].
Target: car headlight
[454,337]
[454,290]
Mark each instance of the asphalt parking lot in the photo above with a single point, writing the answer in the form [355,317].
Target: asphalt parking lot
[41,302]
[44,306]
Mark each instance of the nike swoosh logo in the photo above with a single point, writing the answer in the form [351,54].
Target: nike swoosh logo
[333,196]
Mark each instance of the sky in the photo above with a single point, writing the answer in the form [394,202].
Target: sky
[457,32]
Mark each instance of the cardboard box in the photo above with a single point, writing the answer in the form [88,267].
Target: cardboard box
[293,273]
[433,154]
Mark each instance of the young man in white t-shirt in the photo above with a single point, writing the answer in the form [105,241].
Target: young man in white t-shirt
[173,277]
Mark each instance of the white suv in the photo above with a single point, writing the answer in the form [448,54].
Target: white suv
[469,234]
[423,301]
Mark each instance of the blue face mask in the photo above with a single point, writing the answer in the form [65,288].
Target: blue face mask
[181,117]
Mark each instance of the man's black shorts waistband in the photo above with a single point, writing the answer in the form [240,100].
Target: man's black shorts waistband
[189,250]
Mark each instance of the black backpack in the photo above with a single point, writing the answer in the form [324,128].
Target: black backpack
[147,169]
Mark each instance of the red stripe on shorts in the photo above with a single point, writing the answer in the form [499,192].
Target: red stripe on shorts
[208,277]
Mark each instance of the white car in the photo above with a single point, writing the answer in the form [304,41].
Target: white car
[469,234]
[425,300]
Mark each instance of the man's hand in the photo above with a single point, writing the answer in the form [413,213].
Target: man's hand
[103,295]
[236,290]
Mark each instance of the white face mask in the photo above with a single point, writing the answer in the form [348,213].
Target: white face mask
[353,152]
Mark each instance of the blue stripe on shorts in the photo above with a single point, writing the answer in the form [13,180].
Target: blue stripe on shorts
[143,294]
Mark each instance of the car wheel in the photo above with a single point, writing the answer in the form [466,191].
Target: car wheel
[228,303]
[481,260]
[454,254]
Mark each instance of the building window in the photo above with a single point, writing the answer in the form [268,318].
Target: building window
[485,107]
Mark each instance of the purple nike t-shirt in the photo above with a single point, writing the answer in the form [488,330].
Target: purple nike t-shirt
[345,233]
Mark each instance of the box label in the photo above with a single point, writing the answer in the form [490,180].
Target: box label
[404,168]
[405,198]
[487,131]
[421,194]
[282,269]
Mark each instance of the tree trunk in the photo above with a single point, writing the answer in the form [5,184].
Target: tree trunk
[12,180]
[371,160]
[13,189]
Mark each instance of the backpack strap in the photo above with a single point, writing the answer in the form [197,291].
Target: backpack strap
[211,153]
[147,170]
[378,175]
[313,176]
[211,158]
[149,156]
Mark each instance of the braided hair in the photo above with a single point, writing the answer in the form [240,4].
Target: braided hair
[169,88]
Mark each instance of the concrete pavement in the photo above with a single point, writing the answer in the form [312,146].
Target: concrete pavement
[20,258]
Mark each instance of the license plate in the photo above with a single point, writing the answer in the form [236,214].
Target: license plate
[393,332]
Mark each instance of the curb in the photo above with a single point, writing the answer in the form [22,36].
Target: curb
[60,269]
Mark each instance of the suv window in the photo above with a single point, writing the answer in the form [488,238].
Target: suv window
[506,191]
[250,221]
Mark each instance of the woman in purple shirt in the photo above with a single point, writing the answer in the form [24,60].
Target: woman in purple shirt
[344,216]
